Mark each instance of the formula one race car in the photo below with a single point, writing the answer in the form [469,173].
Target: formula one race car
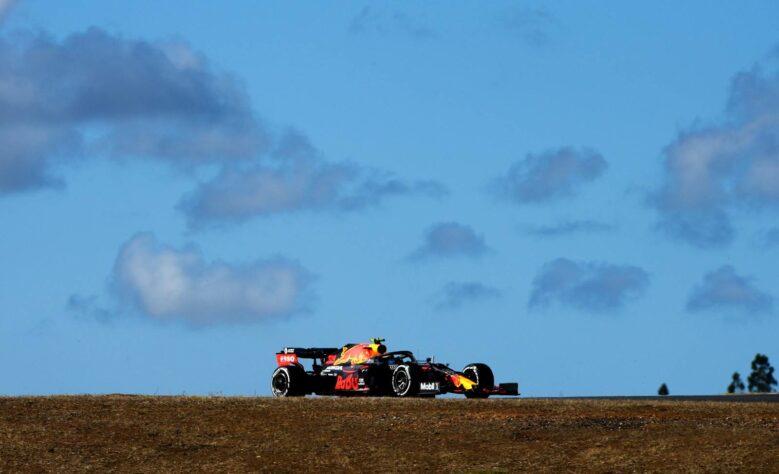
[368,369]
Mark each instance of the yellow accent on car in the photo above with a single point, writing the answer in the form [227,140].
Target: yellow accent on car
[467,383]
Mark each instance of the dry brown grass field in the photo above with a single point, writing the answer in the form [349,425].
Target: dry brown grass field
[233,434]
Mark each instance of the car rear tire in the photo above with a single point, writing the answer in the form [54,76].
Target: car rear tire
[288,381]
[405,380]
[482,375]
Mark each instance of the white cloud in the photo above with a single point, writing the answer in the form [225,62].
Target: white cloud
[549,175]
[589,286]
[295,179]
[126,98]
[132,99]
[450,239]
[169,284]
[711,172]
[723,289]
[455,295]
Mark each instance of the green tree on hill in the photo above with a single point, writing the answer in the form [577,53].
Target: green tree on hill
[663,390]
[761,379]
[736,385]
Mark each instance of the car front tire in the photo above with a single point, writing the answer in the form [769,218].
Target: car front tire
[482,375]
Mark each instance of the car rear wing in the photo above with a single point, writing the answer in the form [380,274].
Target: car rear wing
[290,355]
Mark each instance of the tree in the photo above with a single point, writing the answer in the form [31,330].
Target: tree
[663,390]
[761,379]
[736,385]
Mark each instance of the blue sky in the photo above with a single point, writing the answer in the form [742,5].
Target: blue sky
[583,196]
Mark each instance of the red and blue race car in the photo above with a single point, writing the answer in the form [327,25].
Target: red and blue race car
[368,369]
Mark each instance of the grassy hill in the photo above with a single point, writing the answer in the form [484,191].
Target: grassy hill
[229,434]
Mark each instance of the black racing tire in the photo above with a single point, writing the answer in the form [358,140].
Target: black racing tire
[288,381]
[405,380]
[482,375]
